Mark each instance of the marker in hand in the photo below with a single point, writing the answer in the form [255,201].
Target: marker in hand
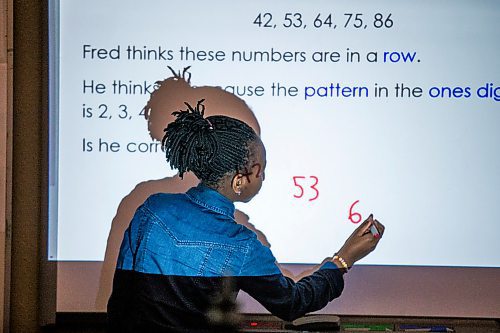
[374,231]
[373,228]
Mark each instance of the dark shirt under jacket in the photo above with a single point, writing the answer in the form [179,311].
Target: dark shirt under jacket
[177,252]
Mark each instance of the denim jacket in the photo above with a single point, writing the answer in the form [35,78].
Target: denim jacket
[178,250]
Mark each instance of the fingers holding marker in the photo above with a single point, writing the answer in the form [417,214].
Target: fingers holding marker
[373,226]
[374,231]
[380,227]
[364,228]
[377,229]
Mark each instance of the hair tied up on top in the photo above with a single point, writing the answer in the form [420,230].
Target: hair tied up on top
[194,116]
[210,147]
[194,137]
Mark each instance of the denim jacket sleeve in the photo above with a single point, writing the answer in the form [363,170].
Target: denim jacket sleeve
[280,295]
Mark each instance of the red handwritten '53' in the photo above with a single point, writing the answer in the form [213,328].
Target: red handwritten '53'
[299,181]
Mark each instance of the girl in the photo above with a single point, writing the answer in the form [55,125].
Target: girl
[180,248]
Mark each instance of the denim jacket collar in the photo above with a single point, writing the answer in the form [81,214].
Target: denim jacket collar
[211,199]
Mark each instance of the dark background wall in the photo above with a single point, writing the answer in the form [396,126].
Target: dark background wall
[29,107]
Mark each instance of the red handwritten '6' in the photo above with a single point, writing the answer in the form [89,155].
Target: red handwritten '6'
[354,217]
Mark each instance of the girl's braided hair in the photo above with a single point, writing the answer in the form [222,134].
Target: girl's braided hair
[209,147]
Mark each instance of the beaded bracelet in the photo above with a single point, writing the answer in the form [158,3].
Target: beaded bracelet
[342,262]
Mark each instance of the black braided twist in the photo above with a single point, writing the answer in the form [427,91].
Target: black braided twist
[209,147]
